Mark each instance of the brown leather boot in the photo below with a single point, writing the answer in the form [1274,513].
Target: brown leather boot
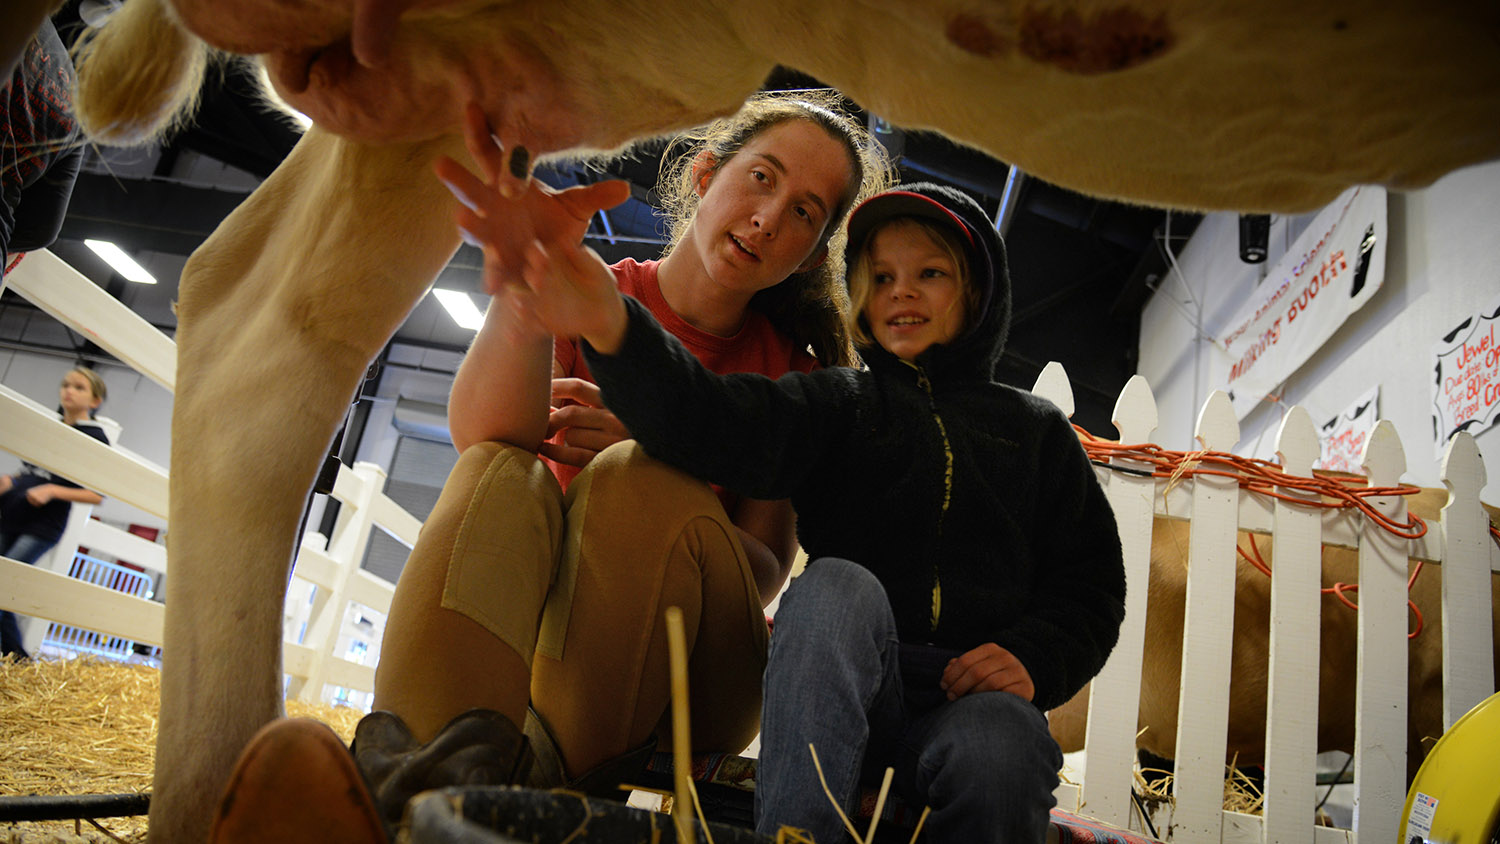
[604,780]
[479,747]
[296,783]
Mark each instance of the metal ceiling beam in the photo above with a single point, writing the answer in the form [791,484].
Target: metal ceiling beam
[146,214]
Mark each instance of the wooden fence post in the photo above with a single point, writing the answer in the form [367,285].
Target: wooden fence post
[1468,641]
[351,535]
[1115,695]
[1381,675]
[1292,683]
[1208,631]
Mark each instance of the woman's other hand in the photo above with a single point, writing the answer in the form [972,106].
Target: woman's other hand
[586,425]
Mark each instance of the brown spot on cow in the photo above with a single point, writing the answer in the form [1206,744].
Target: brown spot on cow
[972,35]
[1111,40]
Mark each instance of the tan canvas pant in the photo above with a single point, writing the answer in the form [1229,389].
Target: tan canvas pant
[515,591]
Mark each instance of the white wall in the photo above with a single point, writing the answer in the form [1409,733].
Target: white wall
[1442,265]
[141,406]
[424,375]
[421,374]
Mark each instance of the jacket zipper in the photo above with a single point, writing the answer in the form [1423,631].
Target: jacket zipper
[937,583]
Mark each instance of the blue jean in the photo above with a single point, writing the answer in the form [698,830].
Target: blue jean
[985,762]
[27,549]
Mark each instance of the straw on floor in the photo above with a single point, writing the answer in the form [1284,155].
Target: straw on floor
[73,727]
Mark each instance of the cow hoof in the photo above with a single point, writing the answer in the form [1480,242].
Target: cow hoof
[296,782]
[479,747]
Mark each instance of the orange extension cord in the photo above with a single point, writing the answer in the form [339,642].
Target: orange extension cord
[1264,477]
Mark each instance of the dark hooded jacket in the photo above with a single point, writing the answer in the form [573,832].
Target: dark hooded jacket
[942,482]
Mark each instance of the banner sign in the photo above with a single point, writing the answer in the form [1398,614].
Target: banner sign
[1332,269]
[1466,377]
[1342,439]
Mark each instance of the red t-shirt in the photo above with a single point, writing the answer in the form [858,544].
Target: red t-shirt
[757,347]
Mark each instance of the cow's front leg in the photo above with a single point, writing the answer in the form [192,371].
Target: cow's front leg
[279,313]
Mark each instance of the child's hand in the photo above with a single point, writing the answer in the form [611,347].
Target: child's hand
[571,292]
[5,484]
[987,668]
[503,226]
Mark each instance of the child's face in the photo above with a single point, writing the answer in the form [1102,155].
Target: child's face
[916,296]
[76,394]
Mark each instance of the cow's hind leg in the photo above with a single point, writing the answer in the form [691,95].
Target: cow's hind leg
[280,311]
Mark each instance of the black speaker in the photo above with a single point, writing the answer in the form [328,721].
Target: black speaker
[1255,231]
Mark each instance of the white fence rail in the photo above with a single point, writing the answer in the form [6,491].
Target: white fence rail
[32,432]
[1217,508]
[114,577]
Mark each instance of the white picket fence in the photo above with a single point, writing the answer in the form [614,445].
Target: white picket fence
[316,666]
[81,641]
[1217,508]
[1215,505]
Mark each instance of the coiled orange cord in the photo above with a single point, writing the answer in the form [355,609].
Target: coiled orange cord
[1267,478]
[1338,589]
[1261,476]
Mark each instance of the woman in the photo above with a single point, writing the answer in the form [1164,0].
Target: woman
[521,593]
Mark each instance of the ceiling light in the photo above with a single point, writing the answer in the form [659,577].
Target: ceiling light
[461,307]
[122,263]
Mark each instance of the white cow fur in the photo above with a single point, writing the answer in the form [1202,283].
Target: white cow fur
[1254,104]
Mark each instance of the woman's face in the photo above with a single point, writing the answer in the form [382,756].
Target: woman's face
[76,394]
[764,212]
[916,294]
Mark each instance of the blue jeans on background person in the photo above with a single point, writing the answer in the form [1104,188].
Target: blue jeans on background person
[985,762]
[27,549]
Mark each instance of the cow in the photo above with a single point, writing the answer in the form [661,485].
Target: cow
[1161,669]
[1253,106]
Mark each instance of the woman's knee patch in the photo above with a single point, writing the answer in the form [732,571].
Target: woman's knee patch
[507,523]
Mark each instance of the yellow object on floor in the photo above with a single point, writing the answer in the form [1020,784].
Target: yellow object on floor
[1456,794]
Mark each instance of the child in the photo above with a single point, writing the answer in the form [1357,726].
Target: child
[34,504]
[754,201]
[966,572]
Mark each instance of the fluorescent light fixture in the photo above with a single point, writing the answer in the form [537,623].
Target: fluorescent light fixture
[122,263]
[461,307]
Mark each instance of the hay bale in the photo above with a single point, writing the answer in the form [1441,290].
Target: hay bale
[1154,788]
[85,726]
